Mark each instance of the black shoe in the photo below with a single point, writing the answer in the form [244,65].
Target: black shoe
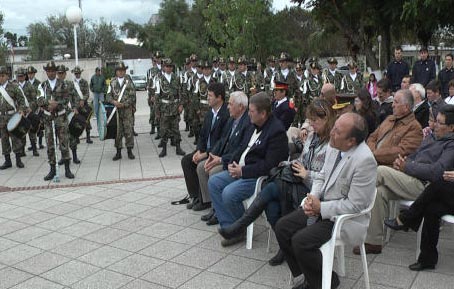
[191,134]
[179,151]
[61,162]
[68,173]
[233,241]
[117,156]
[131,156]
[75,158]
[420,266]
[35,150]
[192,203]
[393,224]
[278,259]
[51,173]
[19,163]
[163,153]
[158,136]
[207,216]
[7,164]
[187,127]
[89,141]
[161,144]
[201,206]
[41,146]
[135,134]
[153,129]
[30,148]
[213,221]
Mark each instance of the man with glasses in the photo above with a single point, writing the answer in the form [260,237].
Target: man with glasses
[410,175]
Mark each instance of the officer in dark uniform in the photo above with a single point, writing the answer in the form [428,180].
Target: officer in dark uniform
[397,69]
[423,69]
[446,74]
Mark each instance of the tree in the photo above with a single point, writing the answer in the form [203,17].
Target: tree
[41,41]
[3,48]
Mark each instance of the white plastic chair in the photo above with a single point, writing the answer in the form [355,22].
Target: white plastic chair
[328,249]
[247,203]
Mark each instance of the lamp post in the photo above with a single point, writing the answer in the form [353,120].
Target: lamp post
[74,16]
[379,51]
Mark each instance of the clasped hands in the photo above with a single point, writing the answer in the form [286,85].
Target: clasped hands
[211,162]
[399,163]
[311,205]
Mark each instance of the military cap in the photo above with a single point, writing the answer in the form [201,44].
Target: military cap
[77,69]
[343,100]
[221,60]
[50,66]
[299,66]
[120,66]
[271,58]
[253,60]
[315,65]
[62,68]
[31,69]
[242,60]
[167,62]
[215,59]
[280,85]
[332,60]
[352,64]
[313,59]
[3,70]
[199,63]
[205,64]
[284,57]
[158,54]
[231,59]
[193,57]
[21,71]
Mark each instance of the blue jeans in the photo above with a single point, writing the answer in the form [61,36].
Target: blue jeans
[227,195]
[97,97]
[271,195]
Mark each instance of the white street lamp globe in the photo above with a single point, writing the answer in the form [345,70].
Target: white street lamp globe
[74,14]
[379,38]
[67,56]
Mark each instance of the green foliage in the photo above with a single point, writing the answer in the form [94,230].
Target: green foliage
[41,41]
[3,50]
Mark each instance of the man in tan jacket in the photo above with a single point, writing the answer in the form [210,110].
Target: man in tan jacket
[399,134]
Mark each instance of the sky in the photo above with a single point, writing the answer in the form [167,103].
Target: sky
[19,14]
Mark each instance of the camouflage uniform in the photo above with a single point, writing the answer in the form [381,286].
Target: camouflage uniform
[35,82]
[59,94]
[151,74]
[242,81]
[333,78]
[300,102]
[227,78]
[268,74]
[313,84]
[169,104]
[350,85]
[6,112]
[124,117]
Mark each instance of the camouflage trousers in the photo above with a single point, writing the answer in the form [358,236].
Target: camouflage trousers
[169,128]
[73,141]
[6,136]
[125,122]
[61,132]
[152,119]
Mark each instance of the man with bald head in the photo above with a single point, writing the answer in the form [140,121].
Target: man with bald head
[328,92]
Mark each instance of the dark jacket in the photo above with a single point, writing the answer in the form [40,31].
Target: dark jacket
[431,159]
[230,141]
[267,152]
[284,113]
[98,84]
[444,77]
[396,71]
[384,109]
[215,131]
[422,114]
[423,71]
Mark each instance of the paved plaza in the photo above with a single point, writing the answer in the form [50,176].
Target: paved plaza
[113,227]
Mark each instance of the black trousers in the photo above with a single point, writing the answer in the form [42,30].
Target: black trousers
[301,243]
[434,202]
[190,175]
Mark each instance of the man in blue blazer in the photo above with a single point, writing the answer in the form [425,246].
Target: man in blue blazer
[281,107]
[263,147]
[211,132]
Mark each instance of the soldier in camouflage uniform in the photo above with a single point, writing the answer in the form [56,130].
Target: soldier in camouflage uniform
[227,78]
[31,71]
[122,87]
[221,71]
[300,103]
[287,75]
[53,99]
[193,100]
[353,81]
[170,106]
[242,80]
[29,93]
[81,96]
[268,74]
[331,75]
[151,74]
[314,83]
[11,100]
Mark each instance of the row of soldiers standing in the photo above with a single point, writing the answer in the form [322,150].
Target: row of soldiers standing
[189,89]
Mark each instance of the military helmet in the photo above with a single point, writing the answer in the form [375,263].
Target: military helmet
[332,60]
[205,64]
[221,60]
[3,70]
[215,59]
[284,57]
[352,64]
[77,69]
[31,69]
[313,59]
[242,60]
[271,58]
[315,65]
[231,59]
[193,58]
[167,62]
[21,71]
[158,54]
[50,66]
[120,66]
[199,63]
[299,66]
[62,68]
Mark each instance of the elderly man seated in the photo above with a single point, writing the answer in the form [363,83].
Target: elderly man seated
[263,147]
[410,175]
[399,134]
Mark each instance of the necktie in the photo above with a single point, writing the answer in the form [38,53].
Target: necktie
[213,120]
[338,159]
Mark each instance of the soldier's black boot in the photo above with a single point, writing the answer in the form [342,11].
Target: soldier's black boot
[161,143]
[130,154]
[51,173]
[187,127]
[191,132]
[75,159]
[118,155]
[179,151]
[19,163]
[35,150]
[88,137]
[158,135]
[22,153]
[172,142]
[68,173]
[61,161]
[153,129]
[40,142]
[7,163]
[134,132]
[164,150]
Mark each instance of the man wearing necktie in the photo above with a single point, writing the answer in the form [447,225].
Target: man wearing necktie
[345,185]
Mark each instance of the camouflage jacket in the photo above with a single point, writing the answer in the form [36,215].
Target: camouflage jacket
[16,96]
[313,86]
[30,93]
[242,82]
[227,80]
[35,83]
[168,94]
[291,80]
[200,91]
[348,85]
[151,74]
[60,94]
[335,79]
[84,89]
[129,95]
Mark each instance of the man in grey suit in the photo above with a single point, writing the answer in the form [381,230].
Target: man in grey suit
[346,184]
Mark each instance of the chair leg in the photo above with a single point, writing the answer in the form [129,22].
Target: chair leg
[327,250]
[393,212]
[269,239]
[249,235]
[340,253]
[418,240]
[365,268]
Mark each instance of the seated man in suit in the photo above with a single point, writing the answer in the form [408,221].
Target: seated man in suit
[211,132]
[421,108]
[345,185]
[410,175]
[399,134]
[263,147]
[281,107]
[222,153]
